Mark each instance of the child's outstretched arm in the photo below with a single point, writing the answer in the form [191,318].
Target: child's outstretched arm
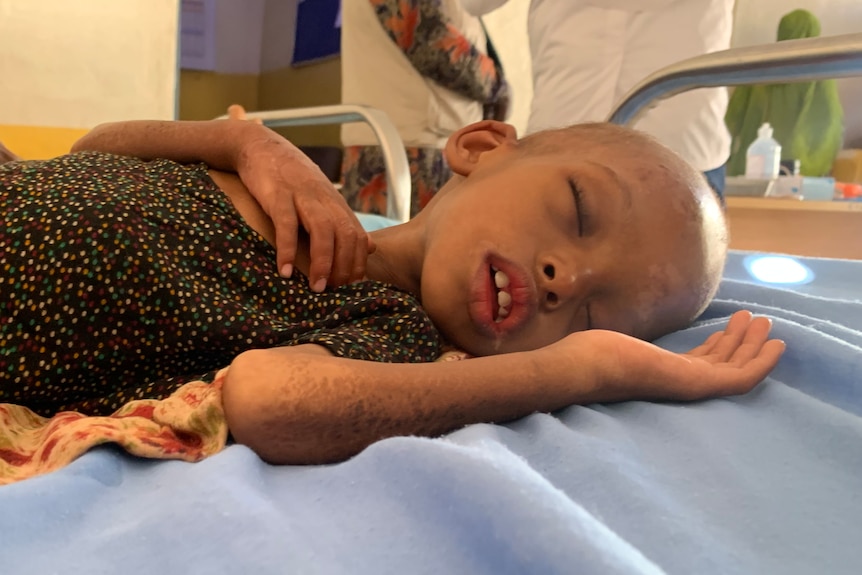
[290,188]
[301,405]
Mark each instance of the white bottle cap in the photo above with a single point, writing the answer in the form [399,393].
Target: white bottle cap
[765,131]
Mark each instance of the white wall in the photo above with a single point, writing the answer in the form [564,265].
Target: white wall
[507,26]
[72,64]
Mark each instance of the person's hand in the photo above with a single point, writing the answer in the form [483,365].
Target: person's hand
[294,192]
[730,362]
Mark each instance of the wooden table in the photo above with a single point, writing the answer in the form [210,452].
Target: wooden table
[822,229]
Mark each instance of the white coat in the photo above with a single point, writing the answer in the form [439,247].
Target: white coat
[587,54]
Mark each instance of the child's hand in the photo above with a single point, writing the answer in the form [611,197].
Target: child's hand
[727,363]
[293,191]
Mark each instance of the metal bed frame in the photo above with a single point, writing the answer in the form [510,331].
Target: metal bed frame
[394,156]
[782,62]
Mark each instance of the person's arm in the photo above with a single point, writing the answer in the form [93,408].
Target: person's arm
[303,406]
[439,51]
[290,188]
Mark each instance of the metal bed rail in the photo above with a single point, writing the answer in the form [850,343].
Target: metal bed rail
[782,62]
[398,183]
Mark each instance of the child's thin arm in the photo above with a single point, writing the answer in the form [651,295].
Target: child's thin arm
[290,188]
[301,405]
[218,143]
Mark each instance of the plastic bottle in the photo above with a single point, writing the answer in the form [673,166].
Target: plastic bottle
[763,156]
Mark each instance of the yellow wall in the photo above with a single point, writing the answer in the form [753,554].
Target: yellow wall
[206,95]
[70,65]
[317,84]
[252,53]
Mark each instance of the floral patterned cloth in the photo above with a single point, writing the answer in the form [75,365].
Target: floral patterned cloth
[440,52]
[188,425]
[364,185]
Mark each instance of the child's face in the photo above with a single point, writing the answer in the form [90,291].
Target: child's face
[528,249]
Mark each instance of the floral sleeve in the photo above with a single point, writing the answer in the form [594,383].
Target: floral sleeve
[438,50]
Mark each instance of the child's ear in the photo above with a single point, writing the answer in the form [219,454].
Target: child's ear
[467,145]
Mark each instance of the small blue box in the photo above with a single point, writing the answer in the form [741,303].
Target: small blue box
[818,189]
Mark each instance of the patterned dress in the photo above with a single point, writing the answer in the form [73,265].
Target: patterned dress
[122,279]
[441,53]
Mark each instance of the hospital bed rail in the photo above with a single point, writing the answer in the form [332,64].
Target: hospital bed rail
[782,62]
[391,144]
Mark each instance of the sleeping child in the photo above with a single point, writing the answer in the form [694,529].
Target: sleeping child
[160,251]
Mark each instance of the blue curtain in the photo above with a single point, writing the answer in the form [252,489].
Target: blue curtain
[318,30]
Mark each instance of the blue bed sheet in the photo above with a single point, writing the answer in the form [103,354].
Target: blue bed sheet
[770,482]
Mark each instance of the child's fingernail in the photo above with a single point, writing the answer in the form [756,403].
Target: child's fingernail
[287,270]
[319,285]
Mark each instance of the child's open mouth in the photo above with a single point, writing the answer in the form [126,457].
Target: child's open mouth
[502,306]
[503,297]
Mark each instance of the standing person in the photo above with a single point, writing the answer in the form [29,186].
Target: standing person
[807,117]
[587,54]
[424,63]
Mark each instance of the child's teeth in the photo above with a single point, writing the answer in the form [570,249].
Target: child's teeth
[501,280]
[503,299]
[503,312]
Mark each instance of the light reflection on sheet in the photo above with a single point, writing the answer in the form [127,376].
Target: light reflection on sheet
[775,269]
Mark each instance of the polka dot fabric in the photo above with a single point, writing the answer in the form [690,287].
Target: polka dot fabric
[123,279]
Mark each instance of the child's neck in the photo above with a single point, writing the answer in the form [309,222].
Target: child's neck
[398,257]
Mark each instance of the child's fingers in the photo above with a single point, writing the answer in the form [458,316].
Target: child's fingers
[286,240]
[716,342]
[346,239]
[707,346]
[360,258]
[236,112]
[322,236]
[756,368]
[732,336]
[755,337]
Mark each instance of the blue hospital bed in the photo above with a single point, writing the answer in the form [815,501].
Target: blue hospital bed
[769,482]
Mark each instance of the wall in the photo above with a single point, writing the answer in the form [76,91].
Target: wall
[253,50]
[229,63]
[507,27]
[68,65]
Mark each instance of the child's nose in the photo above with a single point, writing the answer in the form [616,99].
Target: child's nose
[559,283]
